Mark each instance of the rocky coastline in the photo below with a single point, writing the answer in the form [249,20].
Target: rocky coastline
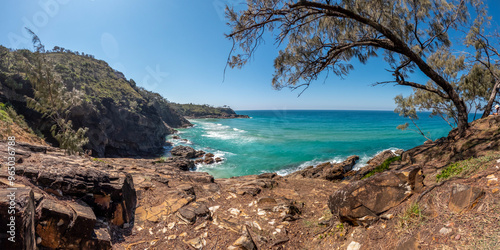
[221,116]
[81,202]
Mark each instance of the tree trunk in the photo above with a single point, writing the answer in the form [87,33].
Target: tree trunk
[463,117]
[487,108]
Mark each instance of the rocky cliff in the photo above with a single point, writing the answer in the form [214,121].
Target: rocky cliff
[123,119]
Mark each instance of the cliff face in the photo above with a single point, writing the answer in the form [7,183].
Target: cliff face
[123,119]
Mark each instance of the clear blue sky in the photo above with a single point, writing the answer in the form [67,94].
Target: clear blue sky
[178,49]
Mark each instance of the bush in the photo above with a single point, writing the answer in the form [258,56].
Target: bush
[382,167]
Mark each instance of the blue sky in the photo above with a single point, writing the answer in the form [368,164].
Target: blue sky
[178,49]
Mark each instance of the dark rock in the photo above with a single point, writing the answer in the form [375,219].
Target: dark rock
[22,229]
[183,151]
[115,130]
[361,202]
[209,155]
[328,170]
[463,197]
[188,189]
[218,159]
[199,161]
[63,224]
[266,175]
[100,241]
[33,148]
[178,163]
[209,160]
[112,195]
[245,242]
[199,153]
[192,211]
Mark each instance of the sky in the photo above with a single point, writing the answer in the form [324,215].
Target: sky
[178,49]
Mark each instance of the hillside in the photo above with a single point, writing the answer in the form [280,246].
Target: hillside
[205,111]
[123,119]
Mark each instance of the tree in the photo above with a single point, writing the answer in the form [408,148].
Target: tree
[324,36]
[53,100]
[485,72]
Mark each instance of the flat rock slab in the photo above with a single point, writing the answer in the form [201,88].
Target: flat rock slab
[463,197]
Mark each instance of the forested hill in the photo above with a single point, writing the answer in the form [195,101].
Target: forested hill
[123,119]
[205,111]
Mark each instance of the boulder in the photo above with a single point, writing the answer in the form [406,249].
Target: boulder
[380,158]
[192,211]
[209,160]
[17,223]
[361,202]
[64,224]
[463,197]
[184,152]
[327,170]
[177,163]
[111,195]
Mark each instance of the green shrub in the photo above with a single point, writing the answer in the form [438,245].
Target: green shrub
[450,171]
[466,167]
[383,167]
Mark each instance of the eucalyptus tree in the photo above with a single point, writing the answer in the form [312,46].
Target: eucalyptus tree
[325,36]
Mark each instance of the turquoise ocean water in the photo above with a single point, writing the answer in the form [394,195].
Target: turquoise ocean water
[285,141]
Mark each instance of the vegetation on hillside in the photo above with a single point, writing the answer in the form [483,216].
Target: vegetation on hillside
[14,124]
[77,80]
[195,110]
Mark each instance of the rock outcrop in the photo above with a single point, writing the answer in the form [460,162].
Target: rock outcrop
[17,218]
[362,202]
[329,171]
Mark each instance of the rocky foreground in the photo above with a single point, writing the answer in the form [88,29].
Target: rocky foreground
[443,194]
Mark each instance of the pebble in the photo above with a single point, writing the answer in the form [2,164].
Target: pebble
[457,237]
[445,230]
[354,246]
[201,226]
[171,225]
[172,237]
[234,211]
[261,212]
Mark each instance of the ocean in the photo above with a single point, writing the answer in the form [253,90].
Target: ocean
[284,141]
